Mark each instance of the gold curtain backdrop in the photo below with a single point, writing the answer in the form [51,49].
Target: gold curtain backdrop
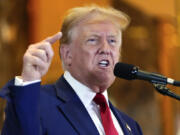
[177,120]
[13,41]
[151,42]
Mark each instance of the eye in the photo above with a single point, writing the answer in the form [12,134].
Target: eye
[92,41]
[112,41]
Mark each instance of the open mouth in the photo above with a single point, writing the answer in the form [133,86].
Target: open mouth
[104,63]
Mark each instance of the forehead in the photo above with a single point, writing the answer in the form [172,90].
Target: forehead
[98,27]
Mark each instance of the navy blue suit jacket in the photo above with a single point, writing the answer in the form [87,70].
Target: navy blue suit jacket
[52,110]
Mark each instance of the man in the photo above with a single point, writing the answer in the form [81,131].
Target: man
[77,104]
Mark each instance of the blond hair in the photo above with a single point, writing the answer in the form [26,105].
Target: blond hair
[76,15]
[89,13]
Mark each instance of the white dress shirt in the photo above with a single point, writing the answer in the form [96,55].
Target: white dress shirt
[86,96]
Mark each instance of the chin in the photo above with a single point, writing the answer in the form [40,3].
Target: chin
[106,81]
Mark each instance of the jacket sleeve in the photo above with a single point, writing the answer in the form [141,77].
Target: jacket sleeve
[22,113]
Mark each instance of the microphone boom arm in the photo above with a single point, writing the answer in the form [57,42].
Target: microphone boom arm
[161,88]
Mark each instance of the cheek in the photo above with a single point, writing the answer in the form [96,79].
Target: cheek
[117,54]
[82,56]
[89,52]
[88,58]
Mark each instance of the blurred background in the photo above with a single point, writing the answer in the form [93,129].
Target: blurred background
[151,42]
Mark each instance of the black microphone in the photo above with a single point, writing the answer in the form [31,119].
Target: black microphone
[131,72]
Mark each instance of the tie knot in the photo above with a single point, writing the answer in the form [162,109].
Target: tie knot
[100,100]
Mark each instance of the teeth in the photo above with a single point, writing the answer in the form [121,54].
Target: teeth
[104,63]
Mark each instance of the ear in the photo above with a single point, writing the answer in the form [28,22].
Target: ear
[66,56]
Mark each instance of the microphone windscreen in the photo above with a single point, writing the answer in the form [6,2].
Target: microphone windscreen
[124,71]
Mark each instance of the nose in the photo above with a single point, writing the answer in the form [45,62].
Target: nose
[104,48]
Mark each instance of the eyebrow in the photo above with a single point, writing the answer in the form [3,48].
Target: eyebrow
[98,35]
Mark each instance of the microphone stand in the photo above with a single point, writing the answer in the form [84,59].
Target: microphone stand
[161,88]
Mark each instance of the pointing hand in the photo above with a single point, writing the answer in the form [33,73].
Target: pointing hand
[37,58]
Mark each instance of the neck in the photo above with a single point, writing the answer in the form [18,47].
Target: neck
[97,87]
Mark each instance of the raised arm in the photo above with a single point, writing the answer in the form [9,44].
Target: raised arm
[23,110]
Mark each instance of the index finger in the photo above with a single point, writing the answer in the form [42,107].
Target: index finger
[52,39]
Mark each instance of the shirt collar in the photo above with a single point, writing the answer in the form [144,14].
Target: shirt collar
[85,94]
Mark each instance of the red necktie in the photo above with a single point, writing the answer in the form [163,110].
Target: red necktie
[105,115]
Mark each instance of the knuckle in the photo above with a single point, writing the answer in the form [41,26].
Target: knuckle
[47,45]
[36,60]
[31,46]
[42,53]
[51,55]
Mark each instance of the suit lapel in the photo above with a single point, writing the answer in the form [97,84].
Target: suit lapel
[125,127]
[73,109]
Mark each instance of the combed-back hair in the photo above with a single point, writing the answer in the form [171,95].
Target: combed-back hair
[76,15]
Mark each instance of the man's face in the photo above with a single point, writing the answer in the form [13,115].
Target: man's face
[94,50]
